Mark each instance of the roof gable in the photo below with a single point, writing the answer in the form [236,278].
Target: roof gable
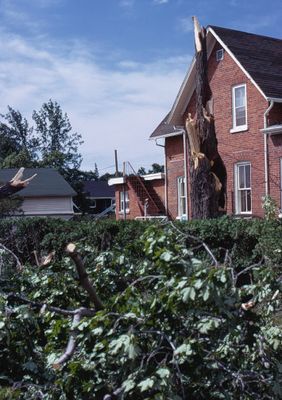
[260,58]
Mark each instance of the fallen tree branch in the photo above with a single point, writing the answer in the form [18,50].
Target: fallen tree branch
[19,264]
[201,242]
[77,315]
[45,306]
[71,346]
[83,276]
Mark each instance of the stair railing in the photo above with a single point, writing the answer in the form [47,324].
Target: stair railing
[128,171]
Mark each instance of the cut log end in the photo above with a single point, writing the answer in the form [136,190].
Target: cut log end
[71,248]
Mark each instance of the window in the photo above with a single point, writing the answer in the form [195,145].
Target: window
[123,201]
[92,203]
[181,192]
[239,108]
[243,189]
[219,55]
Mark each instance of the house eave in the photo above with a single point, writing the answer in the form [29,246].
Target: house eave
[175,133]
[116,181]
[275,99]
[153,177]
[272,130]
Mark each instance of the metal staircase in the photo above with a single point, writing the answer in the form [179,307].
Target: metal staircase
[148,200]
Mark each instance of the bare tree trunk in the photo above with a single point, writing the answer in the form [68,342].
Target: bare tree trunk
[206,185]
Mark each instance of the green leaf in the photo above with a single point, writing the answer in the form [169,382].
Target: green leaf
[166,256]
[163,372]
[146,384]
[128,385]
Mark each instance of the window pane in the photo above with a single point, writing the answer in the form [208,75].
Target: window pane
[240,96]
[249,200]
[183,206]
[241,176]
[248,176]
[240,116]
[243,201]
[182,188]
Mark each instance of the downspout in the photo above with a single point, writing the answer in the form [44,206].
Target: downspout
[165,171]
[185,172]
[124,191]
[265,148]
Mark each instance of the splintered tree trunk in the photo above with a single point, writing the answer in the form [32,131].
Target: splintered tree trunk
[206,186]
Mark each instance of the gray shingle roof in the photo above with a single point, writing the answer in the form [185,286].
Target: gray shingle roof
[261,56]
[98,189]
[48,182]
[164,129]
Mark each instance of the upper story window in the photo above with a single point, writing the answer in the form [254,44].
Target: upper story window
[219,54]
[243,190]
[239,108]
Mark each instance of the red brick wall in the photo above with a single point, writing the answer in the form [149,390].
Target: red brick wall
[134,209]
[158,186]
[175,169]
[240,146]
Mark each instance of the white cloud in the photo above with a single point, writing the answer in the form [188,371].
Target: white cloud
[113,108]
[160,1]
[186,24]
[127,3]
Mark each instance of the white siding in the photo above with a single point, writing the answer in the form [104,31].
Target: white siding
[47,206]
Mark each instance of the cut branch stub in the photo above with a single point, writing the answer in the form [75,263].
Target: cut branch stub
[83,276]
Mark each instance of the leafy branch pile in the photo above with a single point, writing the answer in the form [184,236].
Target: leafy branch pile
[179,318]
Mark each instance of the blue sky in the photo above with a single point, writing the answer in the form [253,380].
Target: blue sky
[115,66]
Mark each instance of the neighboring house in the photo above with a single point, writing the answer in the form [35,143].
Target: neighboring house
[99,193]
[245,75]
[48,194]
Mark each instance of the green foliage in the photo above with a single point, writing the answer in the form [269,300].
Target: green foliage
[18,143]
[9,206]
[270,208]
[58,144]
[172,327]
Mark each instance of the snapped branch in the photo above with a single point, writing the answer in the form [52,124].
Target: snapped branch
[83,276]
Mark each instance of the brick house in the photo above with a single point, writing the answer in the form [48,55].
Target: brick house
[245,75]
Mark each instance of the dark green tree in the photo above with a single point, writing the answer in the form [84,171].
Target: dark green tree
[58,144]
[18,144]
[156,168]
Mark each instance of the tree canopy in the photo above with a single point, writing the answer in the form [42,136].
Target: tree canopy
[49,143]
[172,321]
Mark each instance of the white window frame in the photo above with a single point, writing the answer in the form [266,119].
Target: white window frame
[238,128]
[181,198]
[219,55]
[121,201]
[238,208]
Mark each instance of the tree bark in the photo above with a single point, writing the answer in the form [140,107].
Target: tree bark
[207,185]
[7,190]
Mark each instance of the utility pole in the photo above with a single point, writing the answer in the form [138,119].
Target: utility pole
[116,163]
